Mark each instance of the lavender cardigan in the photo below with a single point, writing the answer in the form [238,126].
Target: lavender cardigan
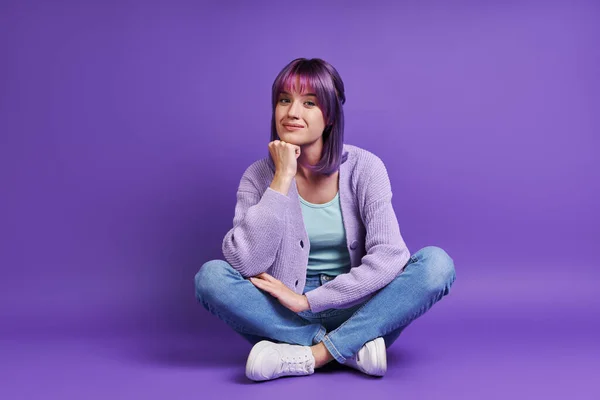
[268,233]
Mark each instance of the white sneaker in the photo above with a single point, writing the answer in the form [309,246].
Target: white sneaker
[370,359]
[268,360]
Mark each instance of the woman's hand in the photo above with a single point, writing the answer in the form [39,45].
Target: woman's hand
[284,156]
[288,298]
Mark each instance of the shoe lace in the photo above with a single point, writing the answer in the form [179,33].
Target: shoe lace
[295,363]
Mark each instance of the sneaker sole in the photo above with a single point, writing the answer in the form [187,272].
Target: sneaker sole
[256,349]
[381,353]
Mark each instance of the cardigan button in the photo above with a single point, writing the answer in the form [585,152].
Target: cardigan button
[354,244]
[301,244]
[296,284]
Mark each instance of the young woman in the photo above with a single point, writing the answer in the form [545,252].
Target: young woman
[315,266]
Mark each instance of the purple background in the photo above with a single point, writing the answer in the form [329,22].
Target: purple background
[124,131]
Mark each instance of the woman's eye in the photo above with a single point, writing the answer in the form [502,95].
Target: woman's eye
[308,103]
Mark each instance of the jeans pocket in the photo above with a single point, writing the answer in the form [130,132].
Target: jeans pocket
[308,288]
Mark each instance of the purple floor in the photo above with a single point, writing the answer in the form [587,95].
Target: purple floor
[537,343]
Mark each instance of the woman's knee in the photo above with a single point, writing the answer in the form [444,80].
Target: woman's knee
[210,277]
[440,267]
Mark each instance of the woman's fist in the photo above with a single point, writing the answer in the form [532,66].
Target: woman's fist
[284,156]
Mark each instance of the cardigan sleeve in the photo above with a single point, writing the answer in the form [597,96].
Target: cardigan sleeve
[386,253]
[258,227]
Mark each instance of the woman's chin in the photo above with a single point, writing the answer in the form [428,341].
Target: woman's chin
[288,137]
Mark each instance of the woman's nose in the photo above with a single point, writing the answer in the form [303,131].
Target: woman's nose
[294,110]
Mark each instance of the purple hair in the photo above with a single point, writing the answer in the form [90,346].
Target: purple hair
[327,84]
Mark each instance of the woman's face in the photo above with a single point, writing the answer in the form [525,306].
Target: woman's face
[302,111]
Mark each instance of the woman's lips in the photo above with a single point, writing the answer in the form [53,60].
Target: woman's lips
[292,127]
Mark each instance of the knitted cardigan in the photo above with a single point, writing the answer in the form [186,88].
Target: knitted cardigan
[269,235]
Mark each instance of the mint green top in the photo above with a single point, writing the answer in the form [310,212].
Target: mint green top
[324,226]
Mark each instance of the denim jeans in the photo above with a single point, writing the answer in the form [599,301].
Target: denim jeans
[256,315]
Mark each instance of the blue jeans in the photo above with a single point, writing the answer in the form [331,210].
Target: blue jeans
[256,315]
